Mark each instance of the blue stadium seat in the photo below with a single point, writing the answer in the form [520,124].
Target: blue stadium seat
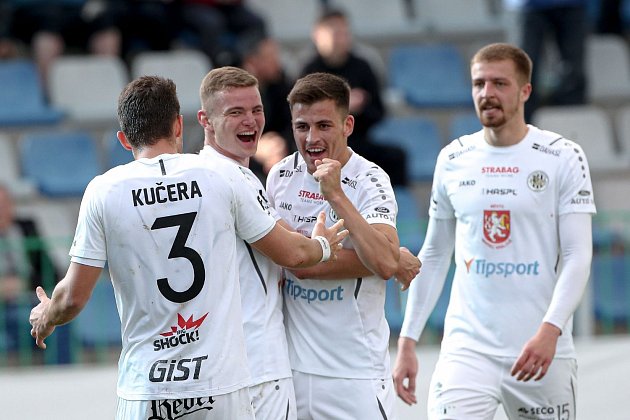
[411,228]
[430,76]
[98,324]
[59,163]
[396,302]
[394,307]
[411,220]
[418,136]
[611,289]
[22,98]
[463,123]
[115,153]
[436,319]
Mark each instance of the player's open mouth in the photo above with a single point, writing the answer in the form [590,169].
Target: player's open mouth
[489,106]
[247,137]
[315,152]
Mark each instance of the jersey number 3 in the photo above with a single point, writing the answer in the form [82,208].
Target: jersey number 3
[180,250]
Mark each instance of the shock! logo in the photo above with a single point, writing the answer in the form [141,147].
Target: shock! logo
[185,332]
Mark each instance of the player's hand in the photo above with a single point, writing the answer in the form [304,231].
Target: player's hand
[328,174]
[335,234]
[537,354]
[405,370]
[408,268]
[40,328]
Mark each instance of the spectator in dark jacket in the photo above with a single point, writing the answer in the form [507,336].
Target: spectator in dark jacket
[333,41]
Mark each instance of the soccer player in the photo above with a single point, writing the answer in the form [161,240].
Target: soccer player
[337,333]
[167,224]
[233,120]
[515,202]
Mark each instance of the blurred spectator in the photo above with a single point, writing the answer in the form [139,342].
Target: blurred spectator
[49,27]
[333,41]
[610,20]
[8,45]
[217,25]
[24,265]
[261,57]
[566,22]
[147,25]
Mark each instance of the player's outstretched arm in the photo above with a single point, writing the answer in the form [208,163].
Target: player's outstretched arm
[67,300]
[405,370]
[292,250]
[347,265]
[575,234]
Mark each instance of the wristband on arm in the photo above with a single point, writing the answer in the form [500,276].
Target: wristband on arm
[323,242]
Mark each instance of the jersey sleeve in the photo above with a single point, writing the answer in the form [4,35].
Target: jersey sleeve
[89,238]
[575,189]
[377,202]
[253,220]
[272,179]
[440,206]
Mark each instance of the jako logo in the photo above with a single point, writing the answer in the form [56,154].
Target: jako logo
[486,268]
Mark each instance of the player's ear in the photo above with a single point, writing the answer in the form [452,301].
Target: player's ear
[348,126]
[202,119]
[123,140]
[179,126]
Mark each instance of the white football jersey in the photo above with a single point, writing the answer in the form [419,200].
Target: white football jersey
[335,328]
[168,228]
[261,297]
[507,201]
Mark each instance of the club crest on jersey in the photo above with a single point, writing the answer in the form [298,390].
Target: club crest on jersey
[537,181]
[185,332]
[496,228]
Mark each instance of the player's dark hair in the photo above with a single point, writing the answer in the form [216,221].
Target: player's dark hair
[316,87]
[147,108]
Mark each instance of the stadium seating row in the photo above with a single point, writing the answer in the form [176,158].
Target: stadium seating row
[84,89]
[79,154]
[291,21]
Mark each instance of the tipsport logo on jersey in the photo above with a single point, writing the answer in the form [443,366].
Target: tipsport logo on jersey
[185,332]
[497,227]
[503,269]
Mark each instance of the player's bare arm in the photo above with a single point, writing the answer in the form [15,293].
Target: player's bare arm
[376,245]
[292,250]
[348,265]
[405,370]
[66,302]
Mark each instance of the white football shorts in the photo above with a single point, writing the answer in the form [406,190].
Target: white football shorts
[325,398]
[274,400]
[470,385]
[235,405]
